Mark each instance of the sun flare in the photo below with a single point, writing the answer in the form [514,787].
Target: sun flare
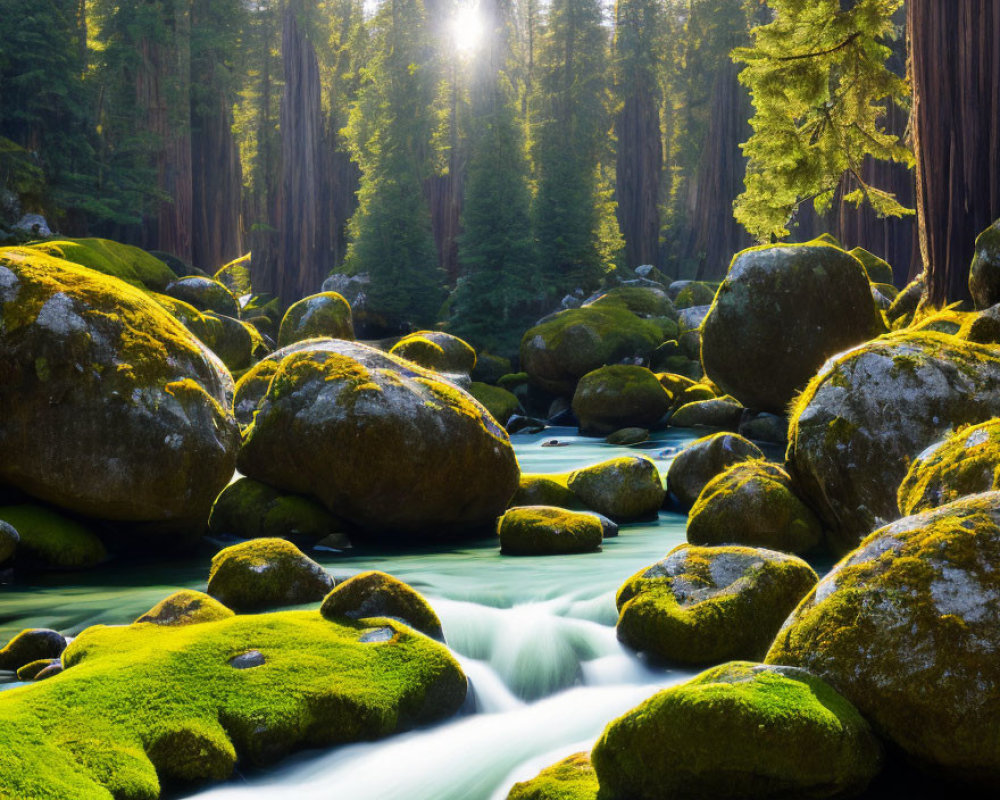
[467,29]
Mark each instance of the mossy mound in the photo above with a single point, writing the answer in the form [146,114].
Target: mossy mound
[84,355]
[739,730]
[265,573]
[125,262]
[34,644]
[186,607]
[619,396]
[705,458]
[204,294]
[253,510]
[984,273]
[753,504]
[905,305]
[644,301]
[779,314]
[623,489]
[694,294]
[863,419]
[906,626]
[142,709]
[441,352]
[432,461]
[573,778]
[984,328]
[626,437]
[548,530]
[965,463]
[49,540]
[490,368]
[559,351]
[376,594]
[675,385]
[721,412]
[326,314]
[34,670]
[235,342]
[703,605]
[545,490]
[235,276]
[879,270]
[499,402]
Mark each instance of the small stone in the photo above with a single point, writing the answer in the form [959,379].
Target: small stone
[248,660]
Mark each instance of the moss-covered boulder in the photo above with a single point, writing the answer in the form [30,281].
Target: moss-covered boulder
[705,458]
[490,368]
[623,489]
[186,607]
[499,402]
[431,460]
[438,351]
[692,294]
[235,276]
[626,437]
[619,396]
[250,509]
[35,670]
[559,351]
[147,709]
[122,261]
[864,418]
[878,269]
[720,412]
[906,626]
[545,490]
[9,540]
[703,605]
[644,301]
[265,573]
[376,594]
[905,305]
[205,294]
[50,540]
[779,314]
[326,314]
[31,645]
[739,730]
[548,530]
[984,273]
[111,408]
[573,778]
[753,504]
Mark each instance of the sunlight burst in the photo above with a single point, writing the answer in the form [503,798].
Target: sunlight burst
[467,29]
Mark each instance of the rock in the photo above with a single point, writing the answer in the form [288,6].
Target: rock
[235,342]
[624,489]
[248,660]
[984,274]
[204,294]
[547,530]
[83,355]
[321,684]
[376,594]
[438,351]
[870,412]
[519,424]
[906,627]
[48,540]
[703,605]
[609,528]
[250,509]
[545,490]
[130,264]
[759,426]
[644,301]
[985,327]
[326,314]
[719,413]
[265,573]
[618,396]
[573,778]
[431,462]
[692,294]
[9,540]
[186,607]
[675,386]
[705,458]
[34,669]
[905,305]
[31,645]
[753,504]
[236,276]
[501,404]
[625,437]
[877,269]
[34,224]
[692,318]
[779,314]
[558,352]
[664,355]
[50,671]
[490,368]
[739,730]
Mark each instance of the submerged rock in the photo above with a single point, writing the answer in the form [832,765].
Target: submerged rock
[619,396]
[376,594]
[705,458]
[622,489]
[441,352]
[326,314]
[547,530]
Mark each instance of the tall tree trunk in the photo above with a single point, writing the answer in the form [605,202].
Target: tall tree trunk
[955,70]
[639,162]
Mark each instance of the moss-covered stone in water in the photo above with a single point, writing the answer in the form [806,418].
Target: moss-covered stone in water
[626,437]
[644,301]
[739,730]
[547,530]
[49,540]
[31,645]
[265,573]
[619,396]
[125,262]
[33,669]
[186,607]
[204,294]
[878,270]
[622,489]
[705,458]
[376,594]
[441,352]
[984,273]
[253,510]
[906,627]
[573,778]
[558,352]
[703,605]
[144,707]
[753,504]
[545,490]
[501,404]
[721,412]
[326,314]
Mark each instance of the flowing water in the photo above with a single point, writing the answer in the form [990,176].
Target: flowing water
[535,635]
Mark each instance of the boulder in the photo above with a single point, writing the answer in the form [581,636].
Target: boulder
[905,305]
[48,540]
[323,315]
[877,269]
[490,368]
[437,351]
[265,573]
[984,273]
[703,605]
[626,437]
[235,276]
[499,402]
[759,426]
[724,413]
[779,314]
[985,327]
[753,504]
[9,540]
[547,530]
[868,413]
[31,645]
[376,594]
[692,294]
[82,355]
[705,458]
[204,294]
[739,730]
[186,607]
[250,509]
[545,490]
[610,398]
[907,628]
[122,261]
[623,489]
[573,778]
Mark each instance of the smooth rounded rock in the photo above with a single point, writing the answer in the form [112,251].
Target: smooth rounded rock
[547,530]
[623,489]
[326,314]
[705,458]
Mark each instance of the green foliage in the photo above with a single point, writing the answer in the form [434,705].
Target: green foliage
[819,82]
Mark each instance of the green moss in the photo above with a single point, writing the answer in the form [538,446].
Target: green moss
[718,412]
[205,294]
[984,273]
[31,670]
[545,490]
[441,352]
[501,404]
[675,385]
[573,778]
[122,261]
[253,510]
[376,594]
[878,270]
[490,368]
[51,541]
[319,315]
[704,459]
[547,530]
[235,276]
[145,706]
[739,730]
[619,396]
[646,301]
[694,294]
[622,489]
[512,380]
[31,645]
[186,607]
[827,238]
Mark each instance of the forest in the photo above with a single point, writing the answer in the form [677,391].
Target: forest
[499,399]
